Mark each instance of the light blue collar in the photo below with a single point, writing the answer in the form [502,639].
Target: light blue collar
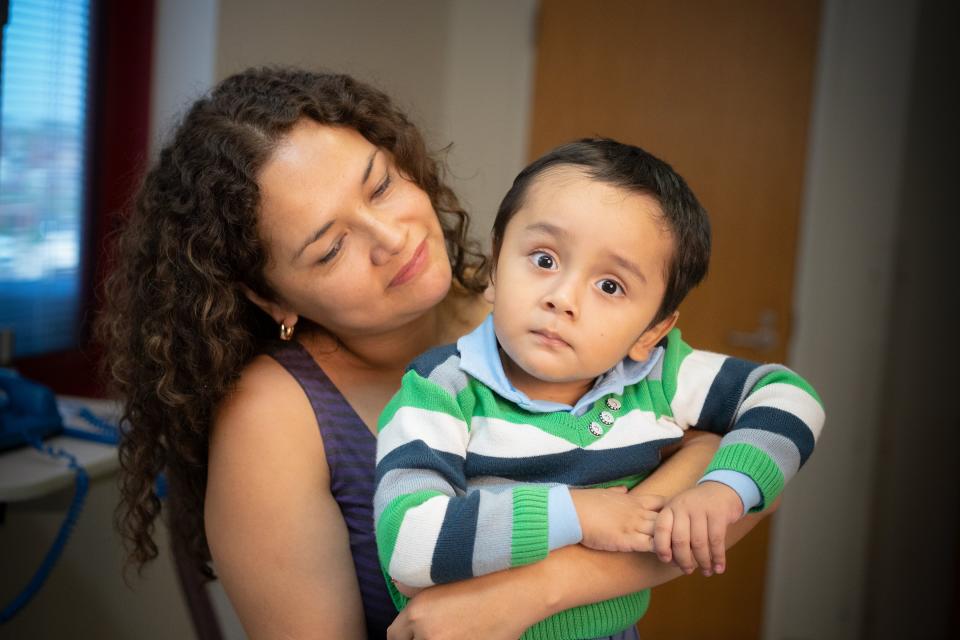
[480,358]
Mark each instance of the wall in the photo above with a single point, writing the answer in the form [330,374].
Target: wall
[914,565]
[461,70]
[818,568]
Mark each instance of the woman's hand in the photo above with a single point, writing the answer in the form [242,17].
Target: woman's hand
[477,609]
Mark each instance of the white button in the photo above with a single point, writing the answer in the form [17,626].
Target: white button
[606,417]
[613,404]
[596,429]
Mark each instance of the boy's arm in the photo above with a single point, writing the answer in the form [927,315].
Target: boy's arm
[569,577]
[769,417]
[429,530]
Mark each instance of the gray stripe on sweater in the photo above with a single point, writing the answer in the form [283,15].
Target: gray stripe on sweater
[781,449]
[398,482]
[493,543]
[448,375]
[752,379]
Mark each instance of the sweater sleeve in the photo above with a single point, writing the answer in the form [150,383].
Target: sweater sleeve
[769,417]
[429,528]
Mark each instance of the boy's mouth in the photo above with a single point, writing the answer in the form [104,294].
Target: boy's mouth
[550,338]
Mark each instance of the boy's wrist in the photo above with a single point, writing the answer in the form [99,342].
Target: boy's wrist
[740,483]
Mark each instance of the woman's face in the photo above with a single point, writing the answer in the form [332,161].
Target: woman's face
[353,245]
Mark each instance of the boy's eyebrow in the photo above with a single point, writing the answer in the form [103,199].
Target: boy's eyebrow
[548,228]
[322,230]
[629,265]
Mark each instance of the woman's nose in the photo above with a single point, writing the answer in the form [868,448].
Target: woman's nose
[388,238]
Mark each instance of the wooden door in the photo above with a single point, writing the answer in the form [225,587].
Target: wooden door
[722,91]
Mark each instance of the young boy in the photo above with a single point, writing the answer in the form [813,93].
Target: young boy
[487,455]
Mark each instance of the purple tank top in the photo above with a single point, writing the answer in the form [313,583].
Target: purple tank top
[351,455]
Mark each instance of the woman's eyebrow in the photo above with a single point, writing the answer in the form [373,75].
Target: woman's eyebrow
[366,172]
[316,236]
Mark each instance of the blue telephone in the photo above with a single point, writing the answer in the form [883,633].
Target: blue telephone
[28,411]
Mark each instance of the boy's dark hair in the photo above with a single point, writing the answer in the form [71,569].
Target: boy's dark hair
[637,171]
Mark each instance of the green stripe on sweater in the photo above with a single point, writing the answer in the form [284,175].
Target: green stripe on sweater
[787,377]
[674,355]
[753,462]
[417,391]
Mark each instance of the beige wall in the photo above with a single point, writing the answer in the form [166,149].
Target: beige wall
[461,70]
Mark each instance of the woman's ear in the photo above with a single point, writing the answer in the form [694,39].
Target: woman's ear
[280,314]
[641,349]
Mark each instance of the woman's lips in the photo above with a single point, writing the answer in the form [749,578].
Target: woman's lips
[413,267]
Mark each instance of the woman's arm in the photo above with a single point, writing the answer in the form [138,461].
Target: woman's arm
[278,539]
[569,577]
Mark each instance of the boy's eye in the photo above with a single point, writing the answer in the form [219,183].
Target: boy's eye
[610,287]
[543,260]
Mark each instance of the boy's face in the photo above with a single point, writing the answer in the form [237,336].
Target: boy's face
[579,277]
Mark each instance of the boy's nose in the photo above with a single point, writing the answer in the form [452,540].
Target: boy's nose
[561,300]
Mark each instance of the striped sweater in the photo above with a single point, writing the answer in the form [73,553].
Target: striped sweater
[466,480]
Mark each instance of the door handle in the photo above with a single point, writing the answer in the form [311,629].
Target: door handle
[764,338]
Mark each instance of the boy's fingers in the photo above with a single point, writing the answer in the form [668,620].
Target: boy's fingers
[652,502]
[718,537]
[681,542]
[663,532]
[699,541]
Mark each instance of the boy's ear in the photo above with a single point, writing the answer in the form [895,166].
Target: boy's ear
[490,292]
[641,349]
[279,313]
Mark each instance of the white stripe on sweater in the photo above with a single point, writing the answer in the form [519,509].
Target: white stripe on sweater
[416,540]
[503,439]
[635,427]
[440,431]
[789,398]
[697,373]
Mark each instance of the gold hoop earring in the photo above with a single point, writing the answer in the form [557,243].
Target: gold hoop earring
[286,333]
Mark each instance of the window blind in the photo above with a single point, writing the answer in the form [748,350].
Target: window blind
[43,165]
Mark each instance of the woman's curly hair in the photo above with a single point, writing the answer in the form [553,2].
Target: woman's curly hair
[177,327]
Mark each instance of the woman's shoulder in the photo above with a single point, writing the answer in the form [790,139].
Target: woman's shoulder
[266,413]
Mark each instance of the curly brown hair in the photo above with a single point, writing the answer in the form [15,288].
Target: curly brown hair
[177,327]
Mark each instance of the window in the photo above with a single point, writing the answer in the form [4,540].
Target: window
[43,166]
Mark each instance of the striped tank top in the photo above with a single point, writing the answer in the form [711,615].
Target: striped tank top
[351,452]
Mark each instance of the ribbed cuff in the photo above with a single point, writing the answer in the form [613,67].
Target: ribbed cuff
[593,620]
[753,462]
[530,525]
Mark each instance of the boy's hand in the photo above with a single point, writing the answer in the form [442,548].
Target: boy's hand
[691,529]
[614,520]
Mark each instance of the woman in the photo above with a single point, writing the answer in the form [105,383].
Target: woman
[305,207]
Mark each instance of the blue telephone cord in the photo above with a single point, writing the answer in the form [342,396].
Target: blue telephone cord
[79,494]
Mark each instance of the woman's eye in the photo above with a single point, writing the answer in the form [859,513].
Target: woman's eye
[383,186]
[610,287]
[334,250]
[543,260]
